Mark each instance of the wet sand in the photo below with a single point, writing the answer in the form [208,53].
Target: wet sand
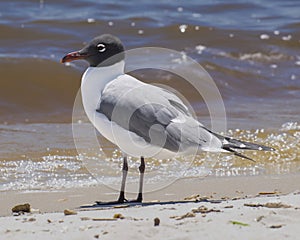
[250,207]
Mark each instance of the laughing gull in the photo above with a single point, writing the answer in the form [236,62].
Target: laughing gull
[141,119]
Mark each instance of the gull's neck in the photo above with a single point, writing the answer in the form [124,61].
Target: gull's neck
[100,76]
[94,81]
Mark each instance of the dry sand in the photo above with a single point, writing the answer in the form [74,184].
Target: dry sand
[243,213]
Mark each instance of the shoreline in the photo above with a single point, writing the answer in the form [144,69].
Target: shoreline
[210,187]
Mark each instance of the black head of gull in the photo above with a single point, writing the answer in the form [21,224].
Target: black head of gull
[104,50]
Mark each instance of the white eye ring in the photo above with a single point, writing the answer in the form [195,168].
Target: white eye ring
[101,47]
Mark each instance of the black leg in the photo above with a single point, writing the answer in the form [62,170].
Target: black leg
[142,171]
[122,198]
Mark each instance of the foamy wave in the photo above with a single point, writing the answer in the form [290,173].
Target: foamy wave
[262,57]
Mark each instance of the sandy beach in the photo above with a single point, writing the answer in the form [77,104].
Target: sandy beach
[260,207]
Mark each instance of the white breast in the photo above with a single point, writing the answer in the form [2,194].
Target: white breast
[94,81]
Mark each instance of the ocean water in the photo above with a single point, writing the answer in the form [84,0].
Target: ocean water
[251,50]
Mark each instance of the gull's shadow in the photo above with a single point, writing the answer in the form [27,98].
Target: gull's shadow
[99,205]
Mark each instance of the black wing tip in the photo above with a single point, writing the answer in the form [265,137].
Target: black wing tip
[265,148]
[233,143]
[262,148]
[243,156]
[237,153]
[239,144]
[271,149]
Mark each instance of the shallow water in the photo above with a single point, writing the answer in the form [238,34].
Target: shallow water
[250,49]
[43,156]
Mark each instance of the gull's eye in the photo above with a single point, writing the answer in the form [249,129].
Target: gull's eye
[101,47]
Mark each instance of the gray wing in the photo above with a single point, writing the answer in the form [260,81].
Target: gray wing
[154,114]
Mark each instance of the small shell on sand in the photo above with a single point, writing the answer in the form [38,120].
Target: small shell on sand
[276,226]
[118,215]
[69,212]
